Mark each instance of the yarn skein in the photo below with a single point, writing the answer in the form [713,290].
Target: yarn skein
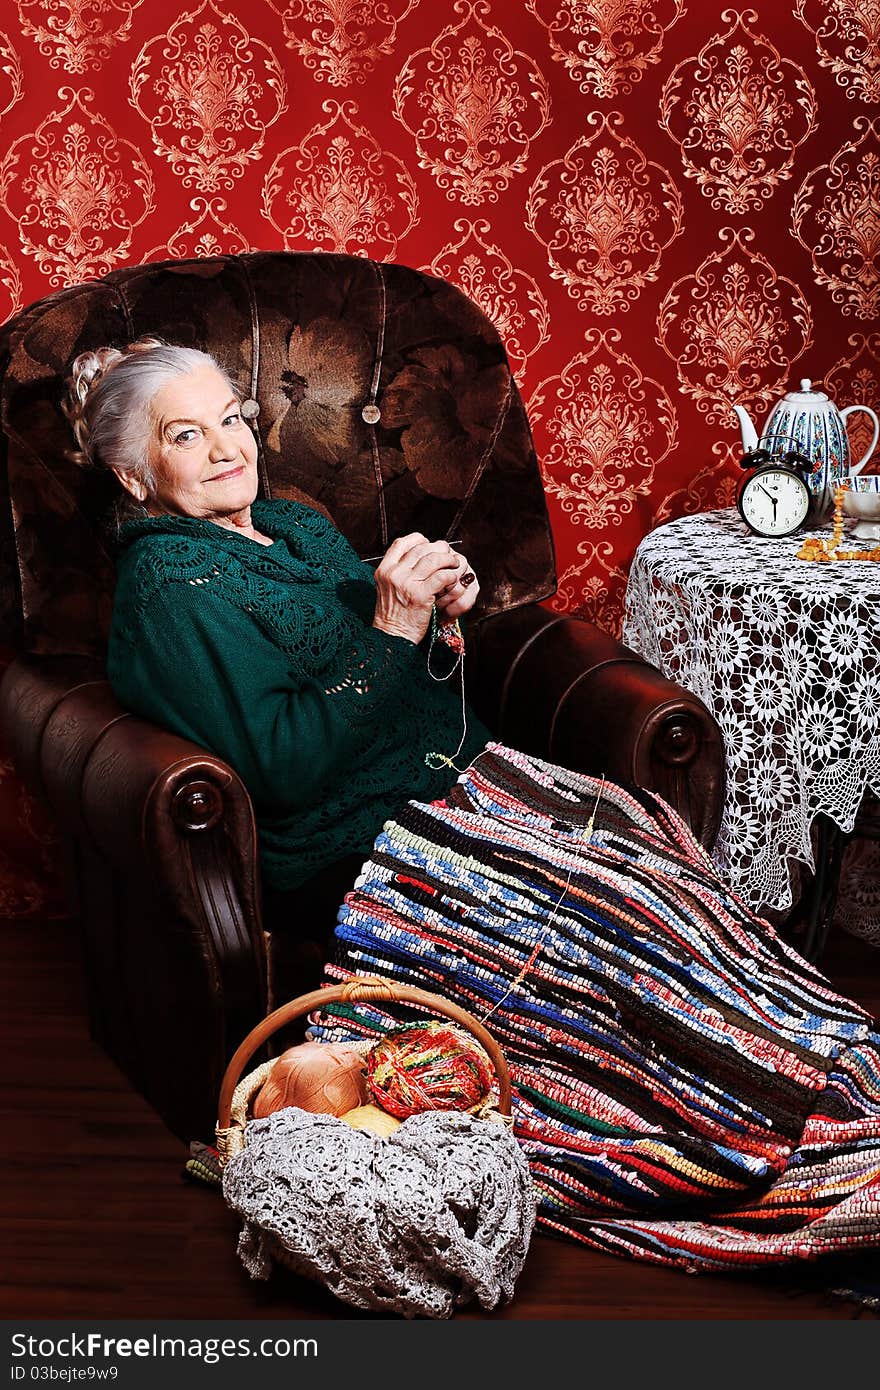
[317,1077]
[371,1118]
[430,1066]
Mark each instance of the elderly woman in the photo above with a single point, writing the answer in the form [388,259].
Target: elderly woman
[688,1089]
[252,628]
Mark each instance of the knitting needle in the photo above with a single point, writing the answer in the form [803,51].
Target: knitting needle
[374,559]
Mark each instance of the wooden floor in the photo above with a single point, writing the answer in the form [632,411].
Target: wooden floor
[98,1222]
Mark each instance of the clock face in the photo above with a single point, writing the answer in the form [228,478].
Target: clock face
[774,501]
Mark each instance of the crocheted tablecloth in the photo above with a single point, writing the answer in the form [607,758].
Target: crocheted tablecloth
[786,655]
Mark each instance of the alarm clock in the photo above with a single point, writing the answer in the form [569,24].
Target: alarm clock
[774,498]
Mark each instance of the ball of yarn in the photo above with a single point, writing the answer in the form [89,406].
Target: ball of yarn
[314,1076]
[371,1118]
[430,1066]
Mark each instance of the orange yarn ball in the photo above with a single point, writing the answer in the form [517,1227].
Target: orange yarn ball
[314,1076]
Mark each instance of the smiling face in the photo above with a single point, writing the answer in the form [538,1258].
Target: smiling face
[202,454]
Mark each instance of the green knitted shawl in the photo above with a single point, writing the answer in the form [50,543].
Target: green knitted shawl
[266,656]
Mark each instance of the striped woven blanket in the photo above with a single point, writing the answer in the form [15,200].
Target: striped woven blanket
[687,1089]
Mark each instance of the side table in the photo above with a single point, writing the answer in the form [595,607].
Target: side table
[786,655]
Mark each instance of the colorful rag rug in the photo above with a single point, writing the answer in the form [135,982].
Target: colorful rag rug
[688,1090]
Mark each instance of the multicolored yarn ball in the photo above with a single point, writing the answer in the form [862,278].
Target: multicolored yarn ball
[323,1078]
[428,1066]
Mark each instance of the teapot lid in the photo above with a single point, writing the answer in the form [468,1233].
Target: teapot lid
[806,395]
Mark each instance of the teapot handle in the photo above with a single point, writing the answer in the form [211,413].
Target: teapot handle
[852,410]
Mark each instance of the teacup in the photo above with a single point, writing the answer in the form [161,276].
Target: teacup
[861,500]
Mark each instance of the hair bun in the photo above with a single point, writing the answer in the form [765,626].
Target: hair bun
[87,370]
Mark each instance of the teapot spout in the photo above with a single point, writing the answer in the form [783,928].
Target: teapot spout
[747,429]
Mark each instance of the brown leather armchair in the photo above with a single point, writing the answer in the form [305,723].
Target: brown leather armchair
[387,399]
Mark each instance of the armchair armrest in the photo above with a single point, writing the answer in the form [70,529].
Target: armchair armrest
[557,687]
[165,861]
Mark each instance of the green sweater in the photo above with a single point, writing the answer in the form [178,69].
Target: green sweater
[266,656]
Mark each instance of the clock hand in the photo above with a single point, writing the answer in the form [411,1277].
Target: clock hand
[773,498]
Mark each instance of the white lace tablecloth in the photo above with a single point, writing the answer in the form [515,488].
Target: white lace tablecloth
[786,655]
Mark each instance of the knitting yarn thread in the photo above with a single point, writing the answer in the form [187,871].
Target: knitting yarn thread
[430,1066]
[451,636]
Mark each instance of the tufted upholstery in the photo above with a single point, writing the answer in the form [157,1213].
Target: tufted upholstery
[314,338]
[181,953]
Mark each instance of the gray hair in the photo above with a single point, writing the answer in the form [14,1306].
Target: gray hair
[110,395]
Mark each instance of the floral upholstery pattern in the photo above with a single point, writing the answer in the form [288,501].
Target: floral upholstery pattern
[314,338]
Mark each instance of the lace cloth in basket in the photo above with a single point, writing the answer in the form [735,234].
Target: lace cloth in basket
[437,1214]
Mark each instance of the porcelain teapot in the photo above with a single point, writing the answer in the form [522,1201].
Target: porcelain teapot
[810,422]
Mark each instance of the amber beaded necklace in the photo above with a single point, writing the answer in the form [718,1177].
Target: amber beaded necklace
[815,548]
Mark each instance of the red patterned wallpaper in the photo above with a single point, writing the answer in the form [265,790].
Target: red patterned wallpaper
[664,207]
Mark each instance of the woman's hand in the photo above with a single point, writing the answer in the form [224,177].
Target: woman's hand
[460,596]
[411,575]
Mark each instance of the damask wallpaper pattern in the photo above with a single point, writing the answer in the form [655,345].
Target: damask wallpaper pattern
[665,207]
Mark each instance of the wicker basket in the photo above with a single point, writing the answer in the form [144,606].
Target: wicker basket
[237,1092]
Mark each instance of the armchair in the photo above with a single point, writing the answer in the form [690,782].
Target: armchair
[387,400]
